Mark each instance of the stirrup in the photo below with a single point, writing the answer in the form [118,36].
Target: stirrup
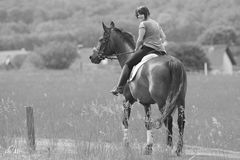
[117,90]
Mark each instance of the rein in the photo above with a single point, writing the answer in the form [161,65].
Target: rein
[114,56]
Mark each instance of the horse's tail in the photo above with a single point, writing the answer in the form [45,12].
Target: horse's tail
[178,83]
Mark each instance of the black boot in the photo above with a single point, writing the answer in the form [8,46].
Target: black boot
[122,81]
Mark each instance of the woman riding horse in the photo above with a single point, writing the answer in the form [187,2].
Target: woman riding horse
[150,38]
[161,80]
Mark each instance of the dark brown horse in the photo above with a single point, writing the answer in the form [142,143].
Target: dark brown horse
[161,80]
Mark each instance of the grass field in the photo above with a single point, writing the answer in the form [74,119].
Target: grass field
[76,104]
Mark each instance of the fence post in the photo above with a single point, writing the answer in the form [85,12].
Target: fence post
[30,129]
[205,69]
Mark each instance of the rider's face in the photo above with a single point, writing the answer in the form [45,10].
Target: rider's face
[141,17]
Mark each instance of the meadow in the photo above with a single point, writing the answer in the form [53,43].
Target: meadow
[75,104]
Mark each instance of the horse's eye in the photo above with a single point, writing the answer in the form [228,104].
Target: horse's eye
[103,41]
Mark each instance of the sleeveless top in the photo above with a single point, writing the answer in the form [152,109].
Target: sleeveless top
[152,37]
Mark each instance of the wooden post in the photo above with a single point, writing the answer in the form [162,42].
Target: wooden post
[30,129]
[205,69]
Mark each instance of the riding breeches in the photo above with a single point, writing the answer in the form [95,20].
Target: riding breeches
[137,56]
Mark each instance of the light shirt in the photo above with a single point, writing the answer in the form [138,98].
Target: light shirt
[152,37]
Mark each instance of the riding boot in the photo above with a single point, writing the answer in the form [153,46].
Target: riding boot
[122,81]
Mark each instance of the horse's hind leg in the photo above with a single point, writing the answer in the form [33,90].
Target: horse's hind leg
[148,125]
[125,118]
[181,123]
[168,124]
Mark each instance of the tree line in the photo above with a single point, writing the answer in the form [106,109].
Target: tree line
[31,24]
[80,20]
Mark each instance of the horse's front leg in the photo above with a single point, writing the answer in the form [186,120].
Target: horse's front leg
[126,116]
[148,125]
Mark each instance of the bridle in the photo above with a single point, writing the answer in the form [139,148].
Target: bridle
[103,47]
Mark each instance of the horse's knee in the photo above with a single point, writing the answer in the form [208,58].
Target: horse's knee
[126,113]
[148,123]
[125,118]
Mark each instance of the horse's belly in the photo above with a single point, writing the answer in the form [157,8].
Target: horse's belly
[141,93]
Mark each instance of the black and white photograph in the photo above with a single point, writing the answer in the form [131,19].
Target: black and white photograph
[120,80]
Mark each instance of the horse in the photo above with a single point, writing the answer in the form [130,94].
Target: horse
[161,80]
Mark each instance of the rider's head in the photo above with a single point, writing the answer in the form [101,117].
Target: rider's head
[142,10]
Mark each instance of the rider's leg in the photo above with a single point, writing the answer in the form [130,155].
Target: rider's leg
[127,68]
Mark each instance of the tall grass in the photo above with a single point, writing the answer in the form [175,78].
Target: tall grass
[76,105]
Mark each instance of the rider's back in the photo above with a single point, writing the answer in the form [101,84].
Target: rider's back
[152,37]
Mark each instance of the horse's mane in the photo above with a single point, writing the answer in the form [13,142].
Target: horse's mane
[126,36]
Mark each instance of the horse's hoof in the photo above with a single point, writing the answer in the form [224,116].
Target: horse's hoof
[179,150]
[178,153]
[148,149]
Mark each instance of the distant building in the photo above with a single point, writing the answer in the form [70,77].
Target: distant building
[7,56]
[221,58]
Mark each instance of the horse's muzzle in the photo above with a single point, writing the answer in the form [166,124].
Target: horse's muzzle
[90,57]
[94,60]
[95,57]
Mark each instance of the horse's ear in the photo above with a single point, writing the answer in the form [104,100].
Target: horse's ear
[112,24]
[104,26]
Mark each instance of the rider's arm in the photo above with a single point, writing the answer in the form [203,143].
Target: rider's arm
[163,36]
[141,33]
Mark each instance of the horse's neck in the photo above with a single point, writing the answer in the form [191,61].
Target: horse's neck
[122,58]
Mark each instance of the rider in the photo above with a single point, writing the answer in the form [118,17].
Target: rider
[150,38]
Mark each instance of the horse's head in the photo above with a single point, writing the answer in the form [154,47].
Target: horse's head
[103,48]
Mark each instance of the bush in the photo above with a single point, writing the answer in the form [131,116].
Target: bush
[57,55]
[36,60]
[192,55]
[18,60]
[29,41]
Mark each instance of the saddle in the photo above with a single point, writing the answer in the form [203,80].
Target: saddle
[144,60]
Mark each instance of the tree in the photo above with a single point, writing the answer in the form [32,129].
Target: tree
[27,16]
[40,15]
[14,15]
[57,55]
[3,15]
[18,27]
[58,14]
[191,54]
[218,35]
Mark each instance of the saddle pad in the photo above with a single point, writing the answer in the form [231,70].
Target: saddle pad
[136,67]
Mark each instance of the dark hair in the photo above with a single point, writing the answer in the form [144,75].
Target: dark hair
[142,10]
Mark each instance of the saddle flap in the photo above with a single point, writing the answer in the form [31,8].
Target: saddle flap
[136,67]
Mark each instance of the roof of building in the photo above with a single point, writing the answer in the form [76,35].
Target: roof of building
[215,55]
[4,55]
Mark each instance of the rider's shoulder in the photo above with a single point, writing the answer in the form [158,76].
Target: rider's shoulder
[142,24]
